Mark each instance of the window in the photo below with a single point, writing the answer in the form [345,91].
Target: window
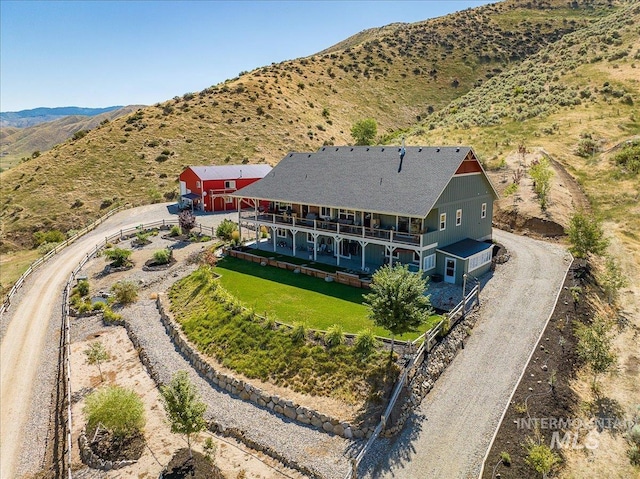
[198,184]
[443,221]
[230,185]
[282,206]
[429,262]
[309,238]
[281,232]
[347,215]
[480,259]
[416,257]
[325,212]
[458,217]
[483,213]
[228,200]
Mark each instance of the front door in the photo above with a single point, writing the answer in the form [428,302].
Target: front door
[450,270]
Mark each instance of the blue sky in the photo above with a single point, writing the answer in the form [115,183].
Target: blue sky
[103,53]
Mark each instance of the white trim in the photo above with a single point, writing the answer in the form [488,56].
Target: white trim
[457,175]
[427,261]
[282,233]
[230,184]
[483,211]
[430,246]
[483,257]
[443,223]
[455,266]
[459,217]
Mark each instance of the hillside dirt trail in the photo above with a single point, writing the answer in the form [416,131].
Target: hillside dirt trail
[25,335]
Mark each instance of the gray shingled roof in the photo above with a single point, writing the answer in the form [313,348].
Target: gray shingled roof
[362,178]
[230,172]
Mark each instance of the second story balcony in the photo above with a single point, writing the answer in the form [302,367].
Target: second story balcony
[342,227]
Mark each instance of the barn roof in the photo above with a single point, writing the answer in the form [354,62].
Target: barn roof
[230,172]
[376,178]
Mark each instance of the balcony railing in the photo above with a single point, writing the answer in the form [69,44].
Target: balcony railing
[332,226]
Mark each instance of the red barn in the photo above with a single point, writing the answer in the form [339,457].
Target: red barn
[207,188]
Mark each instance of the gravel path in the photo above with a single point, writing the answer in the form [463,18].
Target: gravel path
[319,452]
[448,435]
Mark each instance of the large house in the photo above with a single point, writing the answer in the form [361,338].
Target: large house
[361,207]
[208,188]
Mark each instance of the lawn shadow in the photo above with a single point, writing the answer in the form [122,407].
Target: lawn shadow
[289,278]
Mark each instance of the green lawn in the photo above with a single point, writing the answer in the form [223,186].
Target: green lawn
[294,297]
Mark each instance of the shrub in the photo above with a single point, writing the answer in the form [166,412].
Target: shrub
[586,235]
[175,231]
[334,336]
[629,157]
[109,316]
[298,333]
[505,458]
[82,287]
[365,343]
[118,256]
[235,237]
[143,237]
[225,229]
[125,292]
[162,256]
[44,248]
[52,236]
[119,410]
[541,173]
[540,457]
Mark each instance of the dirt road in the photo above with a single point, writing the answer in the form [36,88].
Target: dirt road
[28,333]
[450,432]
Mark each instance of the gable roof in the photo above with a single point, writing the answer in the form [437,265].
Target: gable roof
[230,172]
[363,178]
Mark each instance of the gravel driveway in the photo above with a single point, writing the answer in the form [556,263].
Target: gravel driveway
[449,434]
[30,332]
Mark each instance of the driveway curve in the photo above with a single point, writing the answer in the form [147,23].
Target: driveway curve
[31,327]
[449,433]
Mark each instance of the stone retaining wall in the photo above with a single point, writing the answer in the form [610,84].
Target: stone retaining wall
[212,425]
[248,392]
[89,458]
[339,276]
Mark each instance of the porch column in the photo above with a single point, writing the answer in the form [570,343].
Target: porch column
[239,222]
[273,237]
[294,232]
[315,245]
[363,245]
[421,259]
[337,242]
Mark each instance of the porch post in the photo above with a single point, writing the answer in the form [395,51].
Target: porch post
[363,245]
[239,222]
[273,237]
[293,243]
[315,245]
[337,241]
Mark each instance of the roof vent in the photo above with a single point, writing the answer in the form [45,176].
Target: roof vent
[352,149]
[367,148]
[290,155]
[337,149]
[323,148]
[437,150]
[419,149]
[309,156]
[457,150]
[383,149]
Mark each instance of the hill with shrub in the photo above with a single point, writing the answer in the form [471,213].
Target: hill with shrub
[397,75]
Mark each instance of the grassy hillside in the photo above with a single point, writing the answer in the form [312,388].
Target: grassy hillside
[582,91]
[18,144]
[397,75]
